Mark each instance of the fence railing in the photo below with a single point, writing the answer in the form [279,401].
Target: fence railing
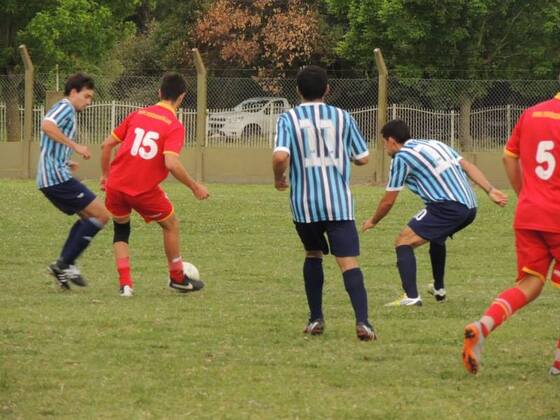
[489,127]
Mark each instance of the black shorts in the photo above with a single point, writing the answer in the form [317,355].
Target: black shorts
[438,221]
[69,197]
[342,237]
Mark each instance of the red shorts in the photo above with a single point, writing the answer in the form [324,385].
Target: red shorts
[152,205]
[535,252]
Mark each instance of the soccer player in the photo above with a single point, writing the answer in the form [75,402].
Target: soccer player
[150,140]
[55,180]
[318,142]
[438,175]
[532,163]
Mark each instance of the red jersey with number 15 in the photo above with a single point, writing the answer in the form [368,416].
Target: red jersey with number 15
[536,142]
[146,136]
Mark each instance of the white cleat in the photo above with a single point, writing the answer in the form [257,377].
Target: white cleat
[126,291]
[439,294]
[406,301]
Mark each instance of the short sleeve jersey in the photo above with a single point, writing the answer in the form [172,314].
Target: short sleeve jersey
[535,140]
[322,140]
[53,168]
[146,136]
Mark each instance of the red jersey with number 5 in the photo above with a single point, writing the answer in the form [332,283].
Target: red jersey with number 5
[536,142]
[146,136]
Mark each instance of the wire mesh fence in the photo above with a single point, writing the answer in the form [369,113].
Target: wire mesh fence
[242,111]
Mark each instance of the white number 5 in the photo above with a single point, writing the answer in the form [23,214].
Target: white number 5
[144,144]
[544,156]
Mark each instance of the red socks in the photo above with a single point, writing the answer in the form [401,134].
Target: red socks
[123,267]
[504,306]
[557,358]
[176,270]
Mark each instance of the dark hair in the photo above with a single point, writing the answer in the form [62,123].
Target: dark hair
[312,82]
[396,129]
[78,81]
[172,86]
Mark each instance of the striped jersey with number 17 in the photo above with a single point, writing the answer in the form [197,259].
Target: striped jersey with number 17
[432,171]
[322,140]
[53,168]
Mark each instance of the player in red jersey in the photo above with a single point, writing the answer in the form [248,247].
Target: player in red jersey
[532,163]
[150,140]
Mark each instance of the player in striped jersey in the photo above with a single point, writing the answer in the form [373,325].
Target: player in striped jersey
[438,175]
[55,180]
[318,142]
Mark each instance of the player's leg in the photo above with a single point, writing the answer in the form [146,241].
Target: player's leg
[178,280]
[438,253]
[345,246]
[405,243]
[315,245]
[533,262]
[555,369]
[121,236]
[553,241]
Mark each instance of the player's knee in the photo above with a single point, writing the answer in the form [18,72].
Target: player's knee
[121,232]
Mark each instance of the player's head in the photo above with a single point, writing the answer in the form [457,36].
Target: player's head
[173,88]
[395,133]
[312,83]
[79,90]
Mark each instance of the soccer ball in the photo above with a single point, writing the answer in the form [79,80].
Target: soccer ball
[191,271]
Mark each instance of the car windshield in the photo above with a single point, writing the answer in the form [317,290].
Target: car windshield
[251,106]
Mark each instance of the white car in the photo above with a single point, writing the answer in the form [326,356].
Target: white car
[252,117]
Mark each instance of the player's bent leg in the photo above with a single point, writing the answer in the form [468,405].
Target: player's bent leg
[178,280]
[313,278]
[121,235]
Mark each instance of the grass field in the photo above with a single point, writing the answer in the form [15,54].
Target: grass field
[236,349]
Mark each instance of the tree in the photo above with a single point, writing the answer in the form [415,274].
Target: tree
[451,39]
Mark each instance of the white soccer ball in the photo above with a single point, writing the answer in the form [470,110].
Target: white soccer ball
[191,271]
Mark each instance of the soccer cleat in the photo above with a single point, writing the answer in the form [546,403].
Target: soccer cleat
[187,285]
[554,371]
[472,347]
[315,327]
[406,301]
[126,291]
[439,294]
[75,276]
[59,276]
[365,332]
[64,273]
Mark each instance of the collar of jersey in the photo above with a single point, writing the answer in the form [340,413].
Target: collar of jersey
[164,105]
[312,103]
[69,102]
[557,96]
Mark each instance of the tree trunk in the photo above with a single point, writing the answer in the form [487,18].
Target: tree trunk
[465,137]
[11,99]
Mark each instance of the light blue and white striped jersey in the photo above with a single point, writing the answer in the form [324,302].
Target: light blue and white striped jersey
[431,170]
[321,140]
[53,167]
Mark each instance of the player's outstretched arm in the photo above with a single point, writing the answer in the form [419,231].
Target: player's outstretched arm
[280,163]
[52,130]
[106,151]
[174,165]
[383,208]
[480,179]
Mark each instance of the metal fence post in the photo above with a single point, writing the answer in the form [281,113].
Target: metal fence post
[113,114]
[380,173]
[201,111]
[28,113]
[508,118]
[452,128]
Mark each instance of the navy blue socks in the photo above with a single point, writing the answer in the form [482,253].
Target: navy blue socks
[437,258]
[406,263]
[314,278]
[354,284]
[79,239]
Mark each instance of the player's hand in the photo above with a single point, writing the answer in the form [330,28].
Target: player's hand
[281,184]
[498,197]
[73,165]
[200,192]
[82,150]
[368,224]
[102,182]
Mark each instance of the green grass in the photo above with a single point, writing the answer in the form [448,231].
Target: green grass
[236,349]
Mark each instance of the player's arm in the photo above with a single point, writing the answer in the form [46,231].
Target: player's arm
[51,129]
[174,165]
[383,208]
[361,161]
[280,164]
[480,179]
[107,147]
[513,171]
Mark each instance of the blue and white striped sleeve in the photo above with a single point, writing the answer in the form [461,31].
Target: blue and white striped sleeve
[358,145]
[59,113]
[283,139]
[397,174]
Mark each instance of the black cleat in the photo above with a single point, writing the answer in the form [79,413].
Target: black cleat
[365,332]
[64,273]
[187,285]
[315,327]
